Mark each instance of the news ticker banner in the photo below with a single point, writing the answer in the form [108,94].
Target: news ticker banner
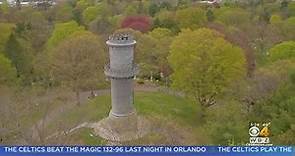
[148,150]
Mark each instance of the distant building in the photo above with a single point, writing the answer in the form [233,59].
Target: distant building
[33,3]
[211,1]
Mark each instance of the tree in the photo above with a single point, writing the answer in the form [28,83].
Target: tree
[7,71]
[284,50]
[279,107]
[163,37]
[153,9]
[92,12]
[221,130]
[284,4]
[39,30]
[232,16]
[6,30]
[77,61]
[130,10]
[291,9]
[166,19]
[19,51]
[140,7]
[210,15]
[146,55]
[140,23]
[63,11]
[191,17]
[262,37]
[204,64]
[4,8]
[240,38]
[275,19]
[287,28]
[264,83]
[62,31]
[33,27]
[101,25]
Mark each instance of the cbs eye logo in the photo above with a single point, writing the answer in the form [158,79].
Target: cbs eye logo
[255,131]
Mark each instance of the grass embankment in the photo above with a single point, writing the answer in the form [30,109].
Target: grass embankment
[170,116]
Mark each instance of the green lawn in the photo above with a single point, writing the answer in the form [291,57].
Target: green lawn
[177,112]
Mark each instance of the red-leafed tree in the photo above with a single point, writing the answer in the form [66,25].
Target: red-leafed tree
[140,23]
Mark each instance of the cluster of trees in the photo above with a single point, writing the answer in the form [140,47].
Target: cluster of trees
[235,60]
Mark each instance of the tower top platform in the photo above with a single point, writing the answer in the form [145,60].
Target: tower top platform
[121,39]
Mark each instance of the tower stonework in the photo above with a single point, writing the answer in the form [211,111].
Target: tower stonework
[123,123]
[121,71]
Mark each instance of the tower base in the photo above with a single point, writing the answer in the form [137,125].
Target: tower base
[122,129]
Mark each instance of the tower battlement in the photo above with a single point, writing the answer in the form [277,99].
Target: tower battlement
[121,38]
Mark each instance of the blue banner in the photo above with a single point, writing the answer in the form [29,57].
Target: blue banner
[148,150]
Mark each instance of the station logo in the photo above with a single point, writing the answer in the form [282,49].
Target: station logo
[259,134]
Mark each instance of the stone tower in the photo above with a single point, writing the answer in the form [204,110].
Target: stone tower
[121,71]
[123,123]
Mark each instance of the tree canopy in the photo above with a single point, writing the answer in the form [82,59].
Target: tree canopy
[62,31]
[7,71]
[285,50]
[78,61]
[6,30]
[205,64]
[191,17]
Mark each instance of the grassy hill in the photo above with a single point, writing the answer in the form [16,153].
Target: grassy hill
[174,120]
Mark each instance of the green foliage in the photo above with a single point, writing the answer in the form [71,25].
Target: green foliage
[7,71]
[279,109]
[4,7]
[232,16]
[227,124]
[204,64]
[6,30]
[191,18]
[146,55]
[284,50]
[275,19]
[19,51]
[161,33]
[63,12]
[287,28]
[62,31]
[90,14]
[100,11]
[291,9]
[83,4]
[210,15]
[78,62]
[153,9]
[163,37]
[166,19]
[34,28]
[44,46]
[103,25]
[130,10]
